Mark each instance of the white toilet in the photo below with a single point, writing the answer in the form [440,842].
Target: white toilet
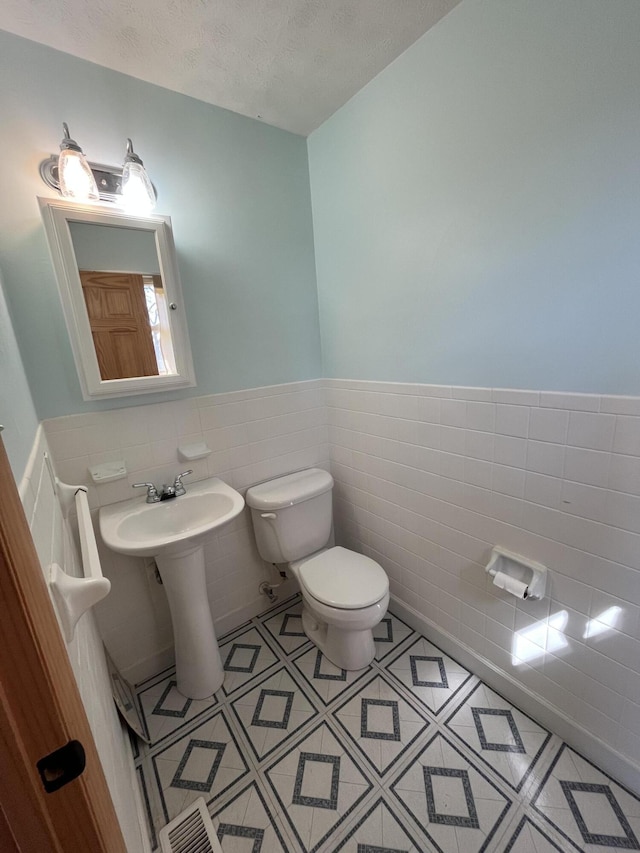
[345,594]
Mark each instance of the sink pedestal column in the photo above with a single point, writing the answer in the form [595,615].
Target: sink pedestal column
[199,670]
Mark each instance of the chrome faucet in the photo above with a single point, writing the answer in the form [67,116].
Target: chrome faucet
[167,492]
[178,485]
[152,493]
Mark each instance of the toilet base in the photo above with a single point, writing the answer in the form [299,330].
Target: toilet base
[350,650]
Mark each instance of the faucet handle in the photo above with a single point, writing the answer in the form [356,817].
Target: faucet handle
[178,485]
[152,493]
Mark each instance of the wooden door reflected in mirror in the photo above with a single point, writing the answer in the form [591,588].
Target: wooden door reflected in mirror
[127,313]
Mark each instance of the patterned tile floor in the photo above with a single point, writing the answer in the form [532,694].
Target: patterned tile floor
[412,755]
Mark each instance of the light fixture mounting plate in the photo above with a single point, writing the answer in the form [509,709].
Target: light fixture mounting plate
[108,179]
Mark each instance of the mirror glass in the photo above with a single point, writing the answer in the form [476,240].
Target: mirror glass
[122,299]
[125,299]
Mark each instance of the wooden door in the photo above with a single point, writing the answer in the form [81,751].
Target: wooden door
[120,326]
[41,709]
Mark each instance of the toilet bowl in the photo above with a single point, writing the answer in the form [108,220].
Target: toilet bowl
[345,594]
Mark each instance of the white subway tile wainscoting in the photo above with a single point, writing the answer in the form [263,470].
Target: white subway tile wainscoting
[253,435]
[427,480]
[54,541]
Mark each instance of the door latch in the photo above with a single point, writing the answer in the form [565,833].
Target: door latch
[62,766]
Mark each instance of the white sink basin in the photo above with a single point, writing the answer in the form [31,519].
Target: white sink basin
[172,531]
[147,530]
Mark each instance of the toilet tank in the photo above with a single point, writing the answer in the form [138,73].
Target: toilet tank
[292,515]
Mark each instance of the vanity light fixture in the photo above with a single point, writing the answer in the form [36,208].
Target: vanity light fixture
[78,179]
[138,195]
[74,173]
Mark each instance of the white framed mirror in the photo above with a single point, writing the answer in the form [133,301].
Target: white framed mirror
[122,299]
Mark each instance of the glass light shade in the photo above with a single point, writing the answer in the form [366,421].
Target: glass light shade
[138,195]
[75,176]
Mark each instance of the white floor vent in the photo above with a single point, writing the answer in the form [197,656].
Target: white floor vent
[190,832]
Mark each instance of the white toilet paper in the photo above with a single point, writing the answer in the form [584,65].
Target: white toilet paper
[509,584]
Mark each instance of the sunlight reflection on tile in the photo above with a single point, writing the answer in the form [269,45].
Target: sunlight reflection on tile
[544,636]
[606,621]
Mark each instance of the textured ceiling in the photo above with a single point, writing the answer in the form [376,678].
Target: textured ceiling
[291,63]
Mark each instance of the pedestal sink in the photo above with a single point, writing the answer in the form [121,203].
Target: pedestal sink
[172,532]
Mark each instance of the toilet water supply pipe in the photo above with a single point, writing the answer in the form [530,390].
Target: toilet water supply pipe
[266,587]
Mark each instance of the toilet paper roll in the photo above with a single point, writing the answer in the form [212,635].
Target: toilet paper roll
[511,585]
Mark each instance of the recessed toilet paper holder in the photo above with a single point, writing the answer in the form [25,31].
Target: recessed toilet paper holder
[506,565]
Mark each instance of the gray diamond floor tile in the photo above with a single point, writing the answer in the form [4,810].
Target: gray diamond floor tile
[380,722]
[586,806]
[205,762]
[410,755]
[272,711]
[285,627]
[327,681]
[244,657]
[389,634]
[456,803]
[432,677]
[509,741]
[165,710]
[317,784]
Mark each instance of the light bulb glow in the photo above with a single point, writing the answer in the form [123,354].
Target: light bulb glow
[138,195]
[75,176]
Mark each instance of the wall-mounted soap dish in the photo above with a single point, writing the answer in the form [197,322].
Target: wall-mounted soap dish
[108,472]
[191,452]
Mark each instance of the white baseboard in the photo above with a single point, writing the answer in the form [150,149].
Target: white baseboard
[604,756]
[145,843]
[252,608]
[159,661]
[148,667]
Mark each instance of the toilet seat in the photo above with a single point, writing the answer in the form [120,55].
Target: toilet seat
[343,579]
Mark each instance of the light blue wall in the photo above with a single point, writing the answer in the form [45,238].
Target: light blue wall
[476,211]
[238,195]
[477,206]
[17,412]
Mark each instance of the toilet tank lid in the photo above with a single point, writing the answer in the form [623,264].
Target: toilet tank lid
[290,490]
